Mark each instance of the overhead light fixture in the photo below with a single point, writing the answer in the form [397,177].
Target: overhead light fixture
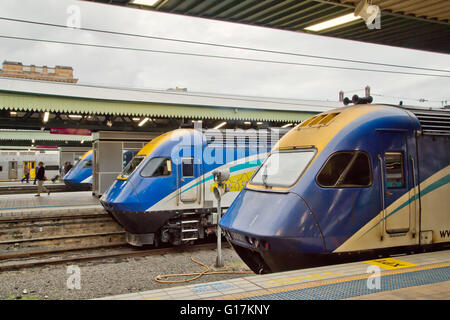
[220,125]
[46,116]
[75,116]
[32,140]
[259,123]
[136,119]
[287,125]
[144,121]
[82,141]
[12,113]
[149,3]
[333,22]
[247,123]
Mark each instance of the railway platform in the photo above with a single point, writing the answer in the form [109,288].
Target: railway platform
[421,276]
[14,206]
[17,187]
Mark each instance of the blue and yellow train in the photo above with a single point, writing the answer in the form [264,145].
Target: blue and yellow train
[358,181]
[165,194]
[80,176]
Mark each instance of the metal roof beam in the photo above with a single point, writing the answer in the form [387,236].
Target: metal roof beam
[383,10]
[269,11]
[348,29]
[249,11]
[224,8]
[296,14]
[243,6]
[302,24]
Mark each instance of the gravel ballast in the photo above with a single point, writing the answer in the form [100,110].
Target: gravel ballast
[112,276]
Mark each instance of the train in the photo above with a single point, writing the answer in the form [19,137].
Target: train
[165,194]
[13,162]
[354,183]
[80,176]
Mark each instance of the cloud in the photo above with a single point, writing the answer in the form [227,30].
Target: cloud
[161,71]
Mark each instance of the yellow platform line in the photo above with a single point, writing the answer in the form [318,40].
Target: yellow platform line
[327,282]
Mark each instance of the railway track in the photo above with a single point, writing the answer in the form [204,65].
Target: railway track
[61,231]
[21,260]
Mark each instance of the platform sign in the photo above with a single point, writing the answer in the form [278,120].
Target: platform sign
[79,132]
[390,263]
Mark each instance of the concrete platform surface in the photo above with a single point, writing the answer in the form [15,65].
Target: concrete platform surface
[418,276]
[17,205]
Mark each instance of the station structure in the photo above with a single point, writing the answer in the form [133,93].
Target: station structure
[126,118]
[413,24]
[118,119]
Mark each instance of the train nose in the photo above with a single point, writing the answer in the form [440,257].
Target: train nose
[272,232]
[269,214]
[121,197]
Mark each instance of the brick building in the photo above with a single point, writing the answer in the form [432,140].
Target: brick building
[18,70]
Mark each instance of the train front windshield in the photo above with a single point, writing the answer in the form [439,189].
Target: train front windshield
[132,165]
[282,169]
[86,164]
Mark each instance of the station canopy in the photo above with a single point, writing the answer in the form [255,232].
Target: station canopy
[42,139]
[82,104]
[414,24]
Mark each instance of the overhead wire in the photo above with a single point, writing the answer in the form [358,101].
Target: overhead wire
[219,56]
[222,45]
[406,98]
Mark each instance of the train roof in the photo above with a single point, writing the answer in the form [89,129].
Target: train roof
[433,121]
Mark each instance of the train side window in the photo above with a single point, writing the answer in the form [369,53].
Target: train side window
[394,170]
[157,167]
[347,169]
[1,168]
[188,167]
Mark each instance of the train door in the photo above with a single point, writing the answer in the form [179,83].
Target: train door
[188,174]
[31,166]
[395,182]
[12,170]
[188,170]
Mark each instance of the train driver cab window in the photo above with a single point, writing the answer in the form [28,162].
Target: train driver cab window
[157,167]
[346,169]
[188,167]
[86,164]
[282,169]
[394,170]
[132,165]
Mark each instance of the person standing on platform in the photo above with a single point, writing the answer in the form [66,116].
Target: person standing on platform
[40,176]
[26,173]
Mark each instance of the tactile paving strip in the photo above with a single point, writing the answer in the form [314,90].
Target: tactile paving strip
[359,287]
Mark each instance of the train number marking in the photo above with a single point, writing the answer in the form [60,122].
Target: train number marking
[445,233]
[390,263]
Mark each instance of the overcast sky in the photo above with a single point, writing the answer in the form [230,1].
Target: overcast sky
[124,68]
